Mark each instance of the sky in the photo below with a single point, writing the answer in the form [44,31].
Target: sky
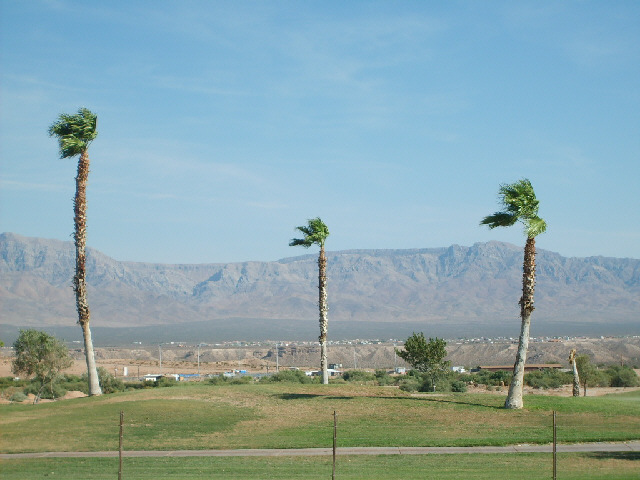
[224,125]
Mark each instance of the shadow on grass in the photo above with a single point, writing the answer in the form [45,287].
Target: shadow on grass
[615,455]
[297,396]
[439,399]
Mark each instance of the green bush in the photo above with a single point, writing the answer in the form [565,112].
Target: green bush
[240,380]
[11,382]
[383,378]
[410,383]
[458,386]
[133,385]
[548,378]
[48,392]
[108,383]
[288,376]
[18,397]
[217,380]
[450,383]
[166,382]
[485,377]
[74,383]
[622,376]
[358,376]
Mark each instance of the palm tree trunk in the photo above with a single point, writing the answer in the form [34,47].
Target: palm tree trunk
[514,397]
[322,305]
[576,380]
[79,280]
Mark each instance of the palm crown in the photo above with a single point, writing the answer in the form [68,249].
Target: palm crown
[75,132]
[315,233]
[520,204]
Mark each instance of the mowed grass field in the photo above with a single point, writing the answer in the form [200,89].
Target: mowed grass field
[201,416]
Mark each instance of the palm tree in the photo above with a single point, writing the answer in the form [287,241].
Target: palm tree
[316,233]
[576,375]
[520,204]
[75,133]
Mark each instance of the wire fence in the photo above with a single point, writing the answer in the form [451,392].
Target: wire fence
[338,436]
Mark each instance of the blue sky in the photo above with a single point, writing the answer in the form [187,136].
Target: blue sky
[223,125]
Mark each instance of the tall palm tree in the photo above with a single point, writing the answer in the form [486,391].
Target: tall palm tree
[75,133]
[576,375]
[520,204]
[316,233]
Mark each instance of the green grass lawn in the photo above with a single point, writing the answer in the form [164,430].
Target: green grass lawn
[469,467]
[200,416]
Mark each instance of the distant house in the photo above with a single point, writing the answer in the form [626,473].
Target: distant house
[527,368]
[459,369]
[332,373]
[154,377]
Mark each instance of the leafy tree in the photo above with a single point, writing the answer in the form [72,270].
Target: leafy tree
[589,373]
[426,357]
[520,205]
[41,355]
[316,233]
[75,133]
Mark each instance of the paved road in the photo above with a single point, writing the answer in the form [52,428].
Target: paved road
[308,452]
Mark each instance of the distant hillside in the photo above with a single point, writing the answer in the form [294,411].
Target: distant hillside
[465,289]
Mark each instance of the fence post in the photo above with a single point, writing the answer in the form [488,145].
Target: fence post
[555,442]
[120,444]
[335,438]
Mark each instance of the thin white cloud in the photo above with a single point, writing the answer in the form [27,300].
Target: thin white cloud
[16,185]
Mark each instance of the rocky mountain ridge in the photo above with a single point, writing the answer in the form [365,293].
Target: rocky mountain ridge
[455,285]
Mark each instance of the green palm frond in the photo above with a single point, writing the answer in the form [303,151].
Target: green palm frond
[499,219]
[535,226]
[74,132]
[315,233]
[520,204]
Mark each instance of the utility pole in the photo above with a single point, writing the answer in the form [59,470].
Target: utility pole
[277,358]
[395,358]
[198,359]
[160,357]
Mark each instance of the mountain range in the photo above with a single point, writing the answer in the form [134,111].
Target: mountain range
[453,291]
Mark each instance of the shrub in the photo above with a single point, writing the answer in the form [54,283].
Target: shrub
[49,391]
[217,380]
[11,382]
[622,376]
[166,382]
[18,397]
[240,380]
[74,383]
[108,382]
[458,386]
[548,378]
[287,376]
[383,378]
[133,385]
[410,383]
[358,376]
